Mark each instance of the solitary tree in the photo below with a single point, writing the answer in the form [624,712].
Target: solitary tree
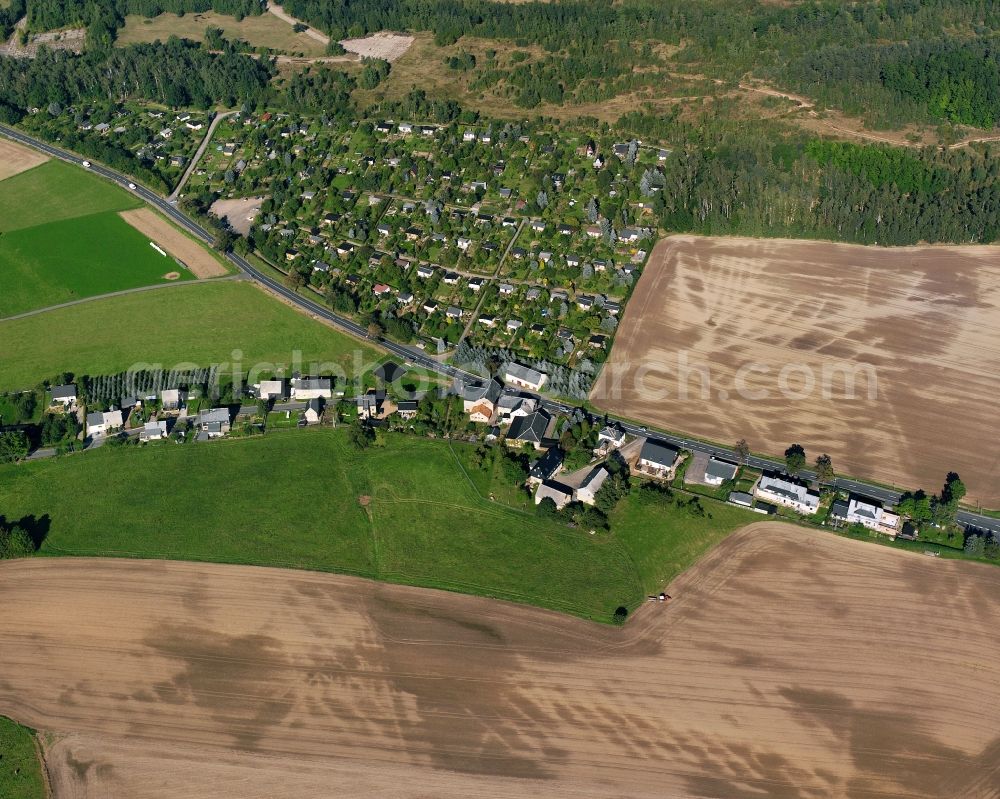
[742,450]
[795,458]
[824,468]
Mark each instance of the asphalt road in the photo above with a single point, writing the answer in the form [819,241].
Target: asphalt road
[418,358]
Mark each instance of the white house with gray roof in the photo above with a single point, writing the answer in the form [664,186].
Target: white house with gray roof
[867,512]
[561,494]
[524,377]
[718,471]
[657,459]
[783,490]
[587,492]
[64,396]
[307,388]
[99,423]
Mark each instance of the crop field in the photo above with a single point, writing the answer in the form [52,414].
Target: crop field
[16,158]
[199,323]
[69,243]
[779,669]
[887,359]
[264,30]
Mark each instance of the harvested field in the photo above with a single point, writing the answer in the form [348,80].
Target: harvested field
[240,212]
[781,330]
[782,668]
[16,158]
[389,46]
[196,258]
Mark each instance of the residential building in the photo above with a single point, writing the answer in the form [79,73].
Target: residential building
[314,411]
[546,467]
[524,377]
[741,499]
[783,490]
[64,396]
[371,405]
[407,409]
[479,401]
[718,471]
[510,406]
[610,437]
[153,430]
[99,423]
[591,484]
[307,388]
[657,459]
[529,429]
[173,399]
[214,423]
[560,494]
[271,390]
[867,512]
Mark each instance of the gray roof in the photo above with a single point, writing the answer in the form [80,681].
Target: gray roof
[315,404]
[838,510]
[720,468]
[313,383]
[529,428]
[95,418]
[490,391]
[214,416]
[523,373]
[658,452]
[64,392]
[741,498]
[554,490]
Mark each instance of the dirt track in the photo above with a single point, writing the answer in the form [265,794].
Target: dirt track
[16,158]
[195,257]
[925,321]
[791,664]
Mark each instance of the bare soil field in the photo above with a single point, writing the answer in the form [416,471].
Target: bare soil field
[195,257]
[390,46]
[790,663]
[240,212]
[781,330]
[16,158]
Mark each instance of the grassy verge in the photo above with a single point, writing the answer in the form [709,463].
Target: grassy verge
[20,769]
[198,324]
[406,511]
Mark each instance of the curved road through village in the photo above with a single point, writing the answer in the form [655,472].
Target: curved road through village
[418,358]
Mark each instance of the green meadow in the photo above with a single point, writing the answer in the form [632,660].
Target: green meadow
[199,323]
[404,511]
[20,768]
[61,239]
[62,261]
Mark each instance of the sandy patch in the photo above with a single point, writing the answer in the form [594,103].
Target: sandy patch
[765,318]
[172,276]
[789,663]
[195,257]
[240,212]
[16,158]
[389,46]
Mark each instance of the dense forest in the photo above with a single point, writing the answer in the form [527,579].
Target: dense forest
[176,73]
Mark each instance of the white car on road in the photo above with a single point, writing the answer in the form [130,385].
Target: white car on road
[86,164]
[131,186]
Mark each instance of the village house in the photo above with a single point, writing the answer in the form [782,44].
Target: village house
[99,423]
[511,405]
[529,429]
[587,492]
[560,494]
[454,312]
[476,283]
[271,390]
[487,321]
[610,437]
[213,423]
[307,388]
[513,325]
[657,459]
[546,467]
[173,399]
[371,405]
[153,430]
[524,377]
[64,397]
[785,491]
[407,409]
[451,278]
[718,471]
[424,271]
[430,306]
[867,512]
[479,401]
[314,411]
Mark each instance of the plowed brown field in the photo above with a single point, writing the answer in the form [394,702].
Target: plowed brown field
[790,664]
[782,329]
